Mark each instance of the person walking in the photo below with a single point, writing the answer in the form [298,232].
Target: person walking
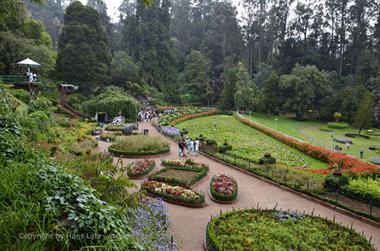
[197,144]
[191,147]
[180,152]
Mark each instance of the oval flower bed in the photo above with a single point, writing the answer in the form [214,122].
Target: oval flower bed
[139,169]
[252,229]
[175,194]
[223,189]
[139,145]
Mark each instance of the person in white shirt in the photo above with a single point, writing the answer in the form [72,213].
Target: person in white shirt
[197,144]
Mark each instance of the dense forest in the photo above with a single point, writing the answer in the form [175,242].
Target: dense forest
[311,58]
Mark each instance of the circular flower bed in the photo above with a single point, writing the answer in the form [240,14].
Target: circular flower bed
[223,189]
[252,229]
[140,168]
[174,194]
[139,145]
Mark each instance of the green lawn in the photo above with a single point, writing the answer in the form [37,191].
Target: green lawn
[246,141]
[293,127]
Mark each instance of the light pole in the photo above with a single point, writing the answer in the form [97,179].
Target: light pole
[332,141]
[275,122]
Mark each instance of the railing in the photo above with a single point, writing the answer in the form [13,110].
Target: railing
[12,79]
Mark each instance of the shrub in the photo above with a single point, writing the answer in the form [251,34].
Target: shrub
[354,135]
[139,145]
[337,125]
[21,95]
[335,182]
[111,127]
[366,190]
[267,159]
[112,101]
[41,104]
[326,129]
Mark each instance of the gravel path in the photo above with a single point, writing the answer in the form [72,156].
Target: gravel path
[188,224]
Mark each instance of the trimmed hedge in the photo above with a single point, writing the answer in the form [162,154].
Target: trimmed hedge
[114,127]
[115,151]
[337,125]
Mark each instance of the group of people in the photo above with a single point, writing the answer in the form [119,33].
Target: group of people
[146,115]
[187,147]
[32,77]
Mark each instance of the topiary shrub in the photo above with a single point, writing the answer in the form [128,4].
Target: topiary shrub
[267,159]
[225,147]
[334,182]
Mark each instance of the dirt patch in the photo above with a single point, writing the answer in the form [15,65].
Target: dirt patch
[179,174]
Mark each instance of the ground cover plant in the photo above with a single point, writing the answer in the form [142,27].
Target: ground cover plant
[252,229]
[174,194]
[223,188]
[180,173]
[247,142]
[140,168]
[139,145]
[111,127]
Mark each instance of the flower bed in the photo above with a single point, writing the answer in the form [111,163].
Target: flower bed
[139,145]
[181,173]
[140,168]
[175,194]
[350,164]
[223,188]
[252,229]
[183,163]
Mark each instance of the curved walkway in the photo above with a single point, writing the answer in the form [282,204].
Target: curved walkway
[188,224]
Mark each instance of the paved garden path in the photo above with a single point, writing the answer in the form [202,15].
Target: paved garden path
[188,224]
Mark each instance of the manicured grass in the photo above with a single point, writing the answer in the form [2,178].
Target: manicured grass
[139,145]
[179,174]
[292,127]
[251,229]
[246,141]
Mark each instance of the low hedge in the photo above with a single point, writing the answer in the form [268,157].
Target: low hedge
[115,151]
[355,135]
[201,173]
[337,125]
[114,127]
[221,197]
[251,229]
[326,129]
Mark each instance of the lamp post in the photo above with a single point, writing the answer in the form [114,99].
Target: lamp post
[332,141]
[275,122]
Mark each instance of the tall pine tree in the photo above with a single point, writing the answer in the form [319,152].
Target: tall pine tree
[84,57]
